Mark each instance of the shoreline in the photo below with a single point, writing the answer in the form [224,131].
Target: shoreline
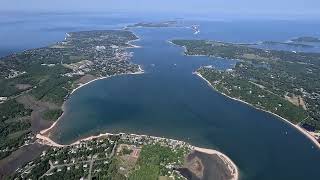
[44,140]
[185,50]
[297,127]
[132,45]
[231,165]
[44,131]
[140,71]
[130,42]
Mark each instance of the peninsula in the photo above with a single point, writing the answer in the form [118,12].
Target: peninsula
[127,156]
[35,83]
[270,80]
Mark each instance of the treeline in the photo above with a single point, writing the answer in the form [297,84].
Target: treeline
[152,161]
[242,89]
[14,126]
[52,115]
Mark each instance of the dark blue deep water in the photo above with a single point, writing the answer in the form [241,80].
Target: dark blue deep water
[168,100]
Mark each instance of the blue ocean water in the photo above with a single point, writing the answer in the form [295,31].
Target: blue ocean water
[169,101]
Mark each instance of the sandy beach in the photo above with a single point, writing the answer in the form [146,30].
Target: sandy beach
[303,131]
[231,165]
[135,40]
[42,132]
[132,45]
[140,71]
[47,141]
[43,139]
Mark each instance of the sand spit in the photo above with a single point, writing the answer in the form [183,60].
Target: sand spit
[230,164]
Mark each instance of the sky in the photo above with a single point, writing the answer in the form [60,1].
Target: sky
[272,8]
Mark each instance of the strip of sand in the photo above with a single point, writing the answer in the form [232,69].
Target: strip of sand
[231,165]
[43,139]
[141,71]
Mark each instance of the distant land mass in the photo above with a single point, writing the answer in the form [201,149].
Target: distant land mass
[307,39]
[164,24]
[172,23]
[293,44]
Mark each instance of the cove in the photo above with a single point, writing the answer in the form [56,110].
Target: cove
[169,101]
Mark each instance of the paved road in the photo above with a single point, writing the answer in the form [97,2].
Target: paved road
[90,169]
[91,161]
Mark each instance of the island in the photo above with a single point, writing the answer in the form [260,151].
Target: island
[292,44]
[34,84]
[161,24]
[165,24]
[307,39]
[274,81]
